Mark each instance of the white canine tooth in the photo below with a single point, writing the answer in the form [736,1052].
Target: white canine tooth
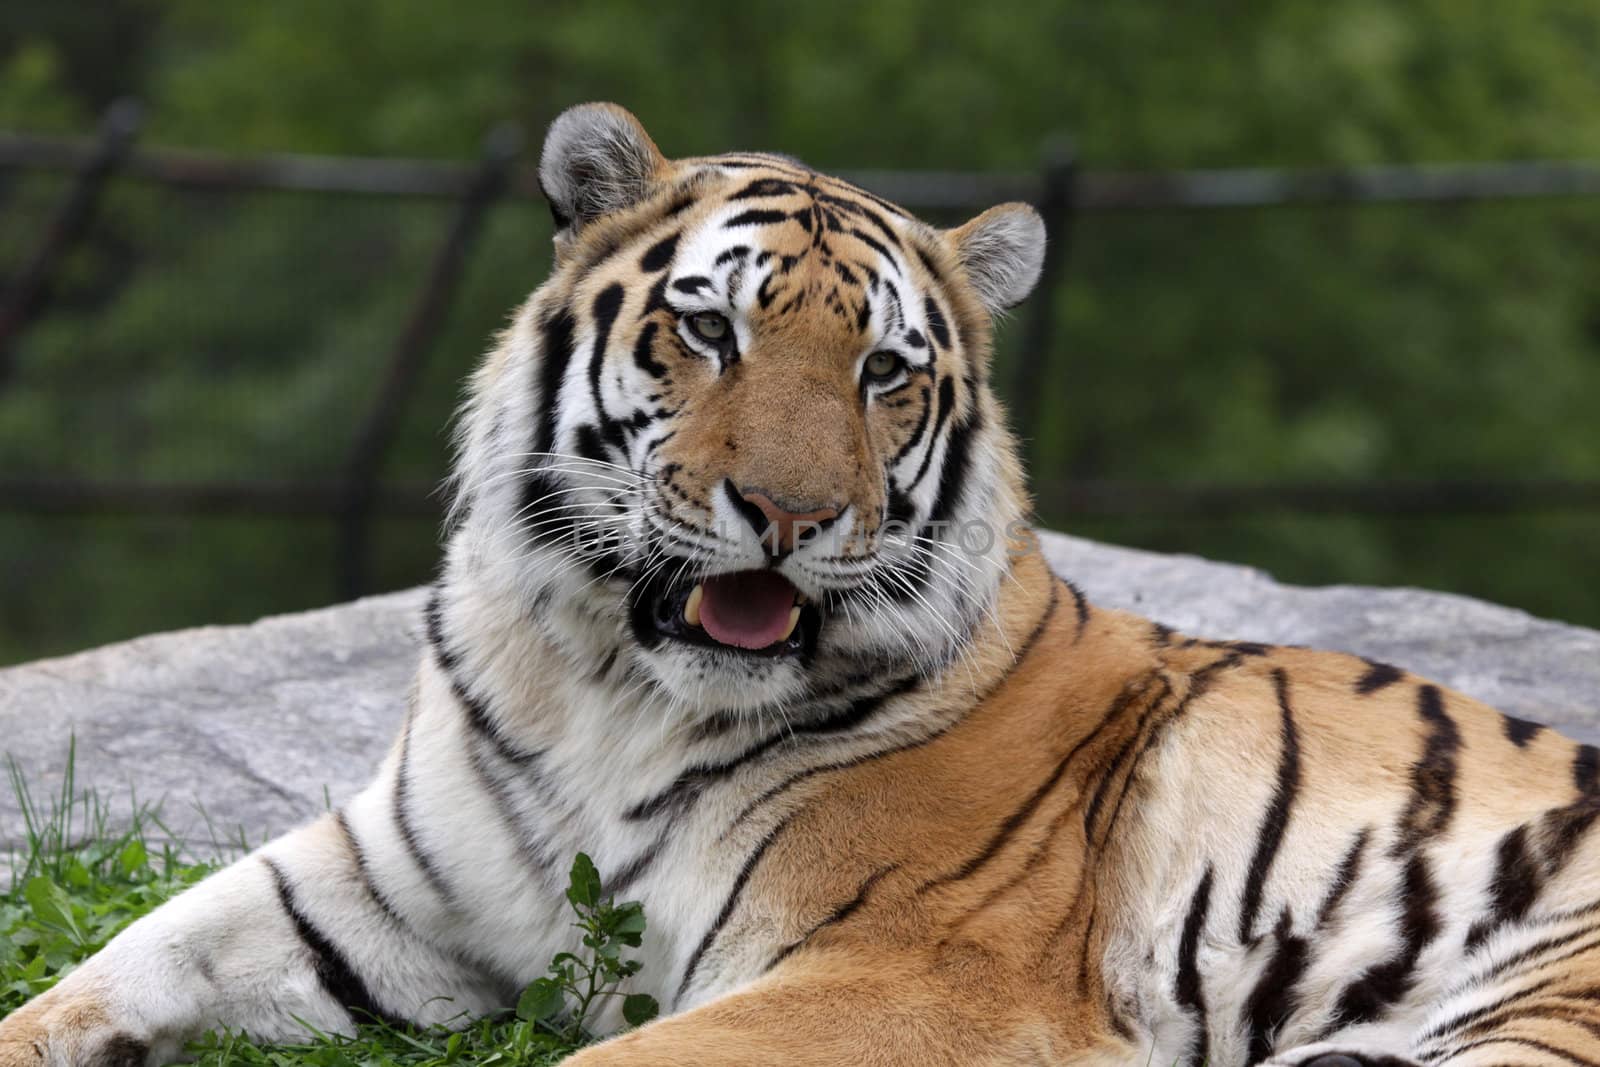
[800,598]
[794,619]
[691,607]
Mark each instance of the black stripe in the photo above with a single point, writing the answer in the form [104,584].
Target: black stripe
[1433,776]
[862,211]
[739,882]
[876,245]
[895,315]
[772,161]
[1024,870]
[364,869]
[656,299]
[479,717]
[900,508]
[1014,821]
[1586,768]
[602,672]
[1080,604]
[947,401]
[1513,887]
[607,303]
[756,217]
[588,444]
[1276,819]
[1103,787]
[1369,997]
[402,821]
[936,324]
[838,915]
[659,255]
[508,986]
[763,188]
[1520,731]
[556,355]
[957,465]
[1199,684]
[629,872]
[333,970]
[688,786]
[1378,676]
[921,428]
[1189,988]
[1561,829]
[1344,877]
[536,853]
[679,206]
[1274,999]
[856,190]
[610,246]
[644,352]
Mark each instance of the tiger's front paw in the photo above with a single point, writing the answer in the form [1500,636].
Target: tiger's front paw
[62,1029]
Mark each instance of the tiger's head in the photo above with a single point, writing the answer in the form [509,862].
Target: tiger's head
[741,446]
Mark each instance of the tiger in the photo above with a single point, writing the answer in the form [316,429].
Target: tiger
[717,608]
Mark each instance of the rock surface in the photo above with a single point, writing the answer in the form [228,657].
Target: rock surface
[257,727]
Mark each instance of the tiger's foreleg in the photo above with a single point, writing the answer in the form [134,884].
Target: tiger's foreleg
[840,1009]
[293,932]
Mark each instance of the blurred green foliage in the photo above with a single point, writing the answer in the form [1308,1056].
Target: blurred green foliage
[239,335]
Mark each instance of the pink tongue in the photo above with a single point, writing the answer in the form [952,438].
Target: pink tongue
[749,609]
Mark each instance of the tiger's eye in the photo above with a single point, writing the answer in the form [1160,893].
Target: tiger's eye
[881,366]
[710,326]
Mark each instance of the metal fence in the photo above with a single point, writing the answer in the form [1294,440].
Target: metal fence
[1057,187]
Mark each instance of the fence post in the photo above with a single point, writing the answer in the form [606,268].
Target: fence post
[1059,171]
[364,464]
[29,294]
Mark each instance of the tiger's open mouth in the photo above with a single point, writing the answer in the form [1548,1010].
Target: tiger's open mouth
[756,612]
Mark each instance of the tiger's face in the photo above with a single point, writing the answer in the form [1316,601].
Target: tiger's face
[743,439]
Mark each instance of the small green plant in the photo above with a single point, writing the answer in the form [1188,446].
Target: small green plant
[76,882]
[576,985]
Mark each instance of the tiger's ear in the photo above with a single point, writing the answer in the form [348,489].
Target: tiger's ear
[597,159]
[1002,251]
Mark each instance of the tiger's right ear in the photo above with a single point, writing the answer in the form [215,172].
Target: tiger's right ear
[597,159]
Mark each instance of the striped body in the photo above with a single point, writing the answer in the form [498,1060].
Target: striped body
[956,814]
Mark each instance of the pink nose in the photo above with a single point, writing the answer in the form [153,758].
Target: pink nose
[780,530]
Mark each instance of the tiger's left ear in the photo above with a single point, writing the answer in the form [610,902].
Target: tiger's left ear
[597,159]
[1002,251]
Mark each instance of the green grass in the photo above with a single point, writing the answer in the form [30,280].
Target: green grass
[81,877]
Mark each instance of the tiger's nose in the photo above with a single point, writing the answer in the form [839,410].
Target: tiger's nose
[781,531]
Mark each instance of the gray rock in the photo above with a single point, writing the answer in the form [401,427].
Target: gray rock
[253,728]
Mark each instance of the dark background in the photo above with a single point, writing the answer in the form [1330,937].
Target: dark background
[197,335]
